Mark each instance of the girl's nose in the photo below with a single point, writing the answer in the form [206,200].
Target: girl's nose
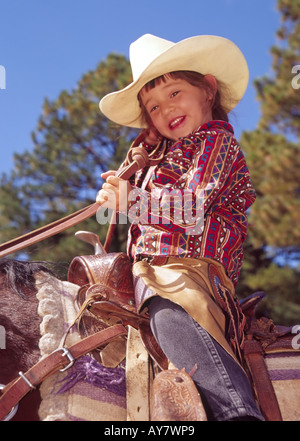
[167,108]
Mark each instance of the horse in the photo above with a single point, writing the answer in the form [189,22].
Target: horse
[20,325]
[36,309]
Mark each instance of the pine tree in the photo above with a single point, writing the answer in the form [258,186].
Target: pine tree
[279,95]
[73,144]
[274,162]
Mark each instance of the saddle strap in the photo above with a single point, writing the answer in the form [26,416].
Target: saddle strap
[263,388]
[61,359]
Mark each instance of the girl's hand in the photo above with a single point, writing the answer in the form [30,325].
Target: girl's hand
[114,192]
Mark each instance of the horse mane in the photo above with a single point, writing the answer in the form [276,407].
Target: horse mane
[21,274]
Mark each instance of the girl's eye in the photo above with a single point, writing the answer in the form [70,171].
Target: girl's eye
[153,108]
[175,93]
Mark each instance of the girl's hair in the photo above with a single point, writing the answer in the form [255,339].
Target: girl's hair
[195,79]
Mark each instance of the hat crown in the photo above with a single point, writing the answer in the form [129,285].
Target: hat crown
[145,50]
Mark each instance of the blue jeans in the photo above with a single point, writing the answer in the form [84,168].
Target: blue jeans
[223,385]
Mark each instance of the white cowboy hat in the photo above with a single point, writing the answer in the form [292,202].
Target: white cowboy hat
[151,56]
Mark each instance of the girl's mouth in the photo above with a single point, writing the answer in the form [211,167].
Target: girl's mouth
[176,122]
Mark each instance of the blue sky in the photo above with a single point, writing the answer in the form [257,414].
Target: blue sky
[47,45]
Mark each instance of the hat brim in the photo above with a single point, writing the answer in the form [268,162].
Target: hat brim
[206,54]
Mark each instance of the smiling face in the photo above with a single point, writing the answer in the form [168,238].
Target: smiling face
[176,107]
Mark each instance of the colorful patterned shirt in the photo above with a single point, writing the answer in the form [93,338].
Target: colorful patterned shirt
[194,202]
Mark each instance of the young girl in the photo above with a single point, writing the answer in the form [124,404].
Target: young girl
[189,219]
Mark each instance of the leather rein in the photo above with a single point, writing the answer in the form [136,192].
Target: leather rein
[137,158]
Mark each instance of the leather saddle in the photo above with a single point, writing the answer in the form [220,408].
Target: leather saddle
[106,297]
